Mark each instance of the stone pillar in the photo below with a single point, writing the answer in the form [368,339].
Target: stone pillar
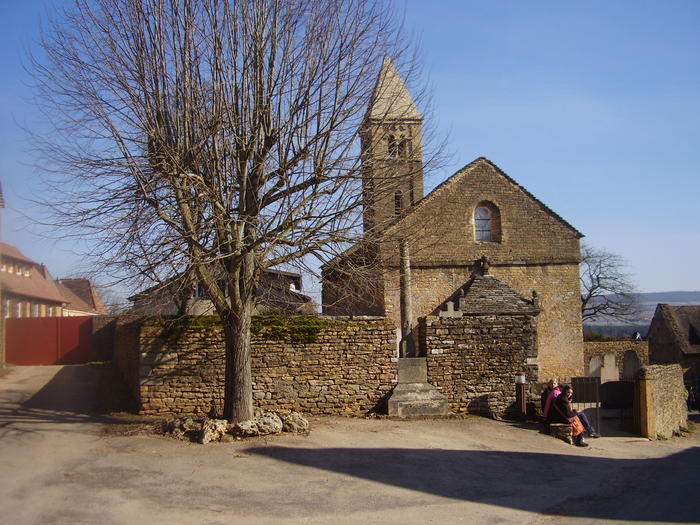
[661,402]
[407,346]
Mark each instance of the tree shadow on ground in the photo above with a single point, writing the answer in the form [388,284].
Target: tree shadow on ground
[555,484]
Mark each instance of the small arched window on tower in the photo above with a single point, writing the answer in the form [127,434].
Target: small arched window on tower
[398,202]
[403,147]
[392,147]
[487,222]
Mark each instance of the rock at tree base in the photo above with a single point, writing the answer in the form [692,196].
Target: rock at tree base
[266,423]
[212,430]
[247,428]
[293,422]
[263,424]
[183,428]
[269,423]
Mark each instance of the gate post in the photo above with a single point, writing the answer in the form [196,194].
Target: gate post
[646,416]
[520,397]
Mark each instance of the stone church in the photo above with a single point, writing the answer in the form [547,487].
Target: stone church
[479,213]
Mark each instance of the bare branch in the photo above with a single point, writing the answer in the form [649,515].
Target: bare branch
[198,139]
[607,291]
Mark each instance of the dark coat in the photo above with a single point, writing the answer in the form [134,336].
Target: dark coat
[561,410]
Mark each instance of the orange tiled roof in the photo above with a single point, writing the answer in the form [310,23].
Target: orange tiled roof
[80,295]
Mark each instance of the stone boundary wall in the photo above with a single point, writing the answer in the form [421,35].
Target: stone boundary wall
[662,401]
[103,337]
[473,360]
[349,368]
[126,352]
[618,348]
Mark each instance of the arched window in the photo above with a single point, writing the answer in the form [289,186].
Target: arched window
[482,224]
[398,148]
[392,147]
[398,202]
[487,222]
[404,147]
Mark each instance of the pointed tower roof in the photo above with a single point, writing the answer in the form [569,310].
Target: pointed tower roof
[390,98]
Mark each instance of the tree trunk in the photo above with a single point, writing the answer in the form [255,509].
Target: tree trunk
[238,387]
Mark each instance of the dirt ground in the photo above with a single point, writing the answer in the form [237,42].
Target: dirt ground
[61,463]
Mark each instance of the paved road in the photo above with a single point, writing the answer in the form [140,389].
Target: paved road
[58,466]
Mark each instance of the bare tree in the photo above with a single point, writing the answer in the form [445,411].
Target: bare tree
[211,139]
[607,290]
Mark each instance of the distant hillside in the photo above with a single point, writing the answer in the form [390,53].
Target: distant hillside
[647,306]
[670,297]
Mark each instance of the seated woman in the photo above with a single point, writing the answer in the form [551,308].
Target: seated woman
[552,391]
[562,412]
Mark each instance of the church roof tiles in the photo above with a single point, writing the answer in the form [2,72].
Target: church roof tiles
[485,294]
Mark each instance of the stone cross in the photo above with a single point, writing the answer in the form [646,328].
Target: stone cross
[450,312]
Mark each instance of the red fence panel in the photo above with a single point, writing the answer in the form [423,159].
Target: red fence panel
[31,341]
[75,339]
[48,340]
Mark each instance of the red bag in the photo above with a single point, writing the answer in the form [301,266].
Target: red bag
[576,426]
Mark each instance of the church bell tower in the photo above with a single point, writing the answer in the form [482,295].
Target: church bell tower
[392,162]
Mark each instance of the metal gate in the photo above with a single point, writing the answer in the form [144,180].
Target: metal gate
[587,395]
[48,340]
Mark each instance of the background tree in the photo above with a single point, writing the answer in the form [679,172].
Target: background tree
[607,290]
[210,139]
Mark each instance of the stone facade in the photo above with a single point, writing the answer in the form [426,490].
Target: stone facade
[618,349]
[349,368]
[473,359]
[559,340]
[529,246]
[662,401]
[538,252]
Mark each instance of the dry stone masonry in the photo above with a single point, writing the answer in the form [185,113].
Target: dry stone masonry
[474,351]
[620,350]
[473,359]
[347,366]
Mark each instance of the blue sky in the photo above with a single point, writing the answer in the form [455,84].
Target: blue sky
[593,106]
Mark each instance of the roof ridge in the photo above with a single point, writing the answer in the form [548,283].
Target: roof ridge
[463,170]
